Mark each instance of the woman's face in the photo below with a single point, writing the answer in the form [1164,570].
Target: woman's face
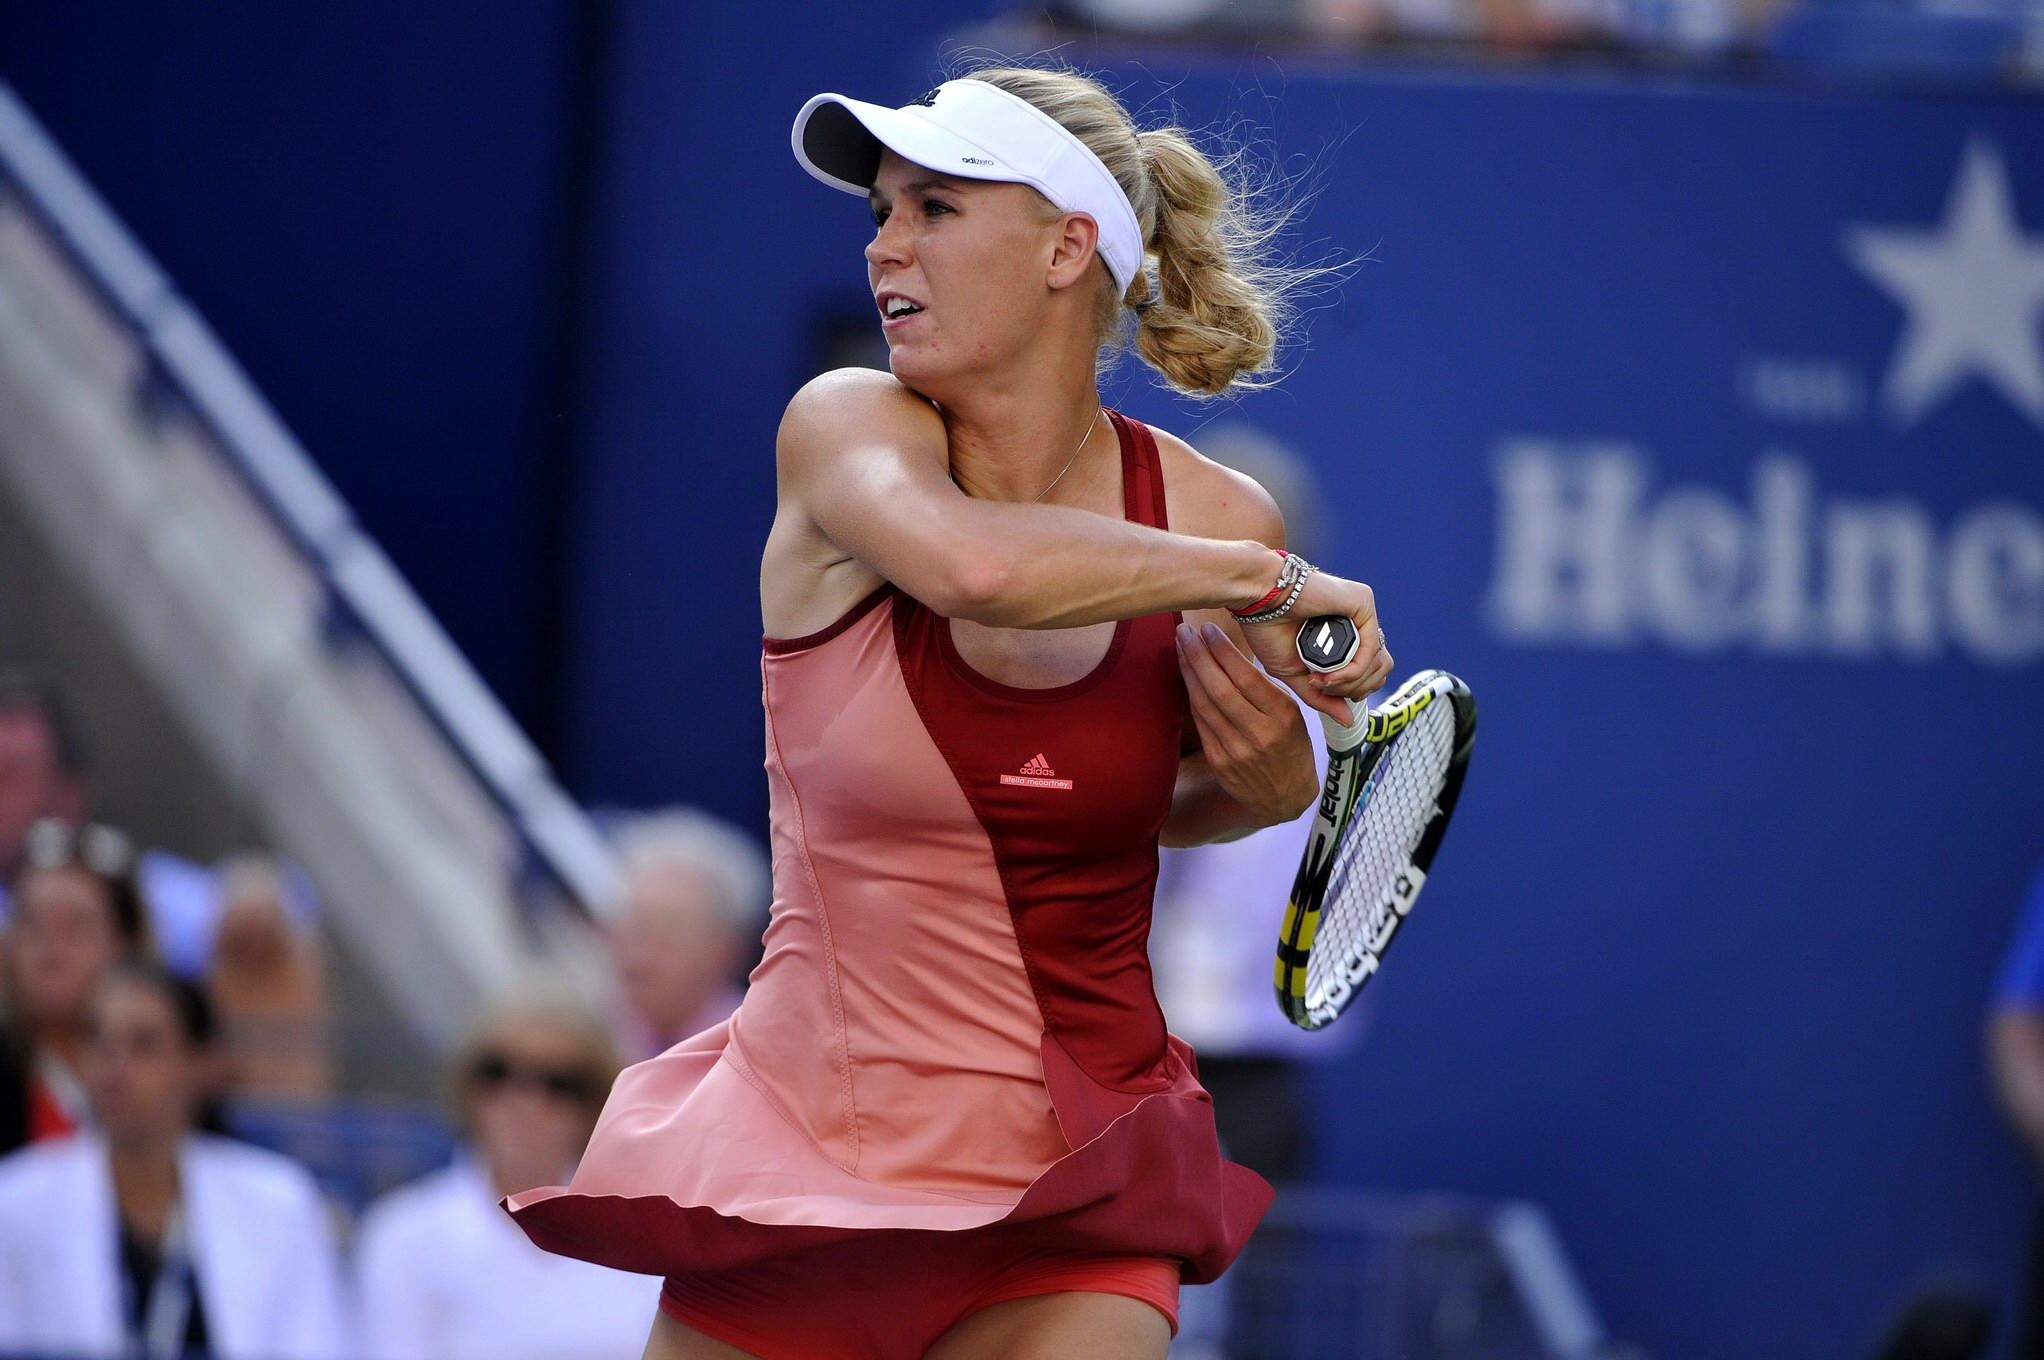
[531,1102]
[145,1077]
[61,944]
[974,255]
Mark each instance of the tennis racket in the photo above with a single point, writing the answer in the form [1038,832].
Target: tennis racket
[1393,775]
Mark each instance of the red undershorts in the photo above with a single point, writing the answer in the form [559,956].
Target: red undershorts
[891,1295]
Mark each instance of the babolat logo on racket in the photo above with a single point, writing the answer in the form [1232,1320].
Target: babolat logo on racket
[1385,916]
[1388,722]
[1330,795]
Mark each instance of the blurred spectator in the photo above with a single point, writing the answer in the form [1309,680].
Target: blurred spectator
[41,771]
[445,1273]
[149,1238]
[77,913]
[1682,28]
[268,983]
[2015,1046]
[1215,925]
[696,891]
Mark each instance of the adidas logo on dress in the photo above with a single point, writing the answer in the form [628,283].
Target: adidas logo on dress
[1037,774]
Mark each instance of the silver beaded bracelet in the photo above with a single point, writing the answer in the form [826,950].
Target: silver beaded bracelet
[1296,570]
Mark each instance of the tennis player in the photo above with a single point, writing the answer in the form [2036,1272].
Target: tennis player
[947,1120]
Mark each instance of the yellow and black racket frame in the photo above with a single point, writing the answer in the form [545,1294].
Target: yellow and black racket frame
[1354,752]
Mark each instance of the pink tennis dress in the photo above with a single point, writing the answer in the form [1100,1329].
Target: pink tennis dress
[953,1025]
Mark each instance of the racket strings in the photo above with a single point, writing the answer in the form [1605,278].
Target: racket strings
[1402,800]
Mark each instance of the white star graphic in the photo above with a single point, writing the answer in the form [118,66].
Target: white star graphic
[1974,291]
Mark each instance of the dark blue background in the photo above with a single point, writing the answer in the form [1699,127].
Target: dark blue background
[1703,964]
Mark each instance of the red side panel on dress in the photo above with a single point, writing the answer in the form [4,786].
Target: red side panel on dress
[1072,785]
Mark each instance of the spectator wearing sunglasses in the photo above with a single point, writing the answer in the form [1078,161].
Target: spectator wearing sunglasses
[445,1274]
[147,1236]
[77,913]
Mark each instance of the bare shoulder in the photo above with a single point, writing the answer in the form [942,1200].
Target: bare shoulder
[866,389]
[833,409]
[847,436]
[1210,500]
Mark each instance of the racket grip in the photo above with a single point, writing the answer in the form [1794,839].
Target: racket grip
[1329,642]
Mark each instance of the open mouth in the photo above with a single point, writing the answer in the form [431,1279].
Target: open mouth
[894,308]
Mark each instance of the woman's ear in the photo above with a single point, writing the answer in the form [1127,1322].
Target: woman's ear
[1075,248]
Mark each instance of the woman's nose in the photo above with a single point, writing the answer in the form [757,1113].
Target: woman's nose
[889,244]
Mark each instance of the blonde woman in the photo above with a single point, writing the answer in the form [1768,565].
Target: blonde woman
[1003,661]
[444,1274]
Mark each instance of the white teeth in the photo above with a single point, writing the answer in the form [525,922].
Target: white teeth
[899,307]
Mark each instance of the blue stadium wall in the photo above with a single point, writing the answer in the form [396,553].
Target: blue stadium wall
[1654,412]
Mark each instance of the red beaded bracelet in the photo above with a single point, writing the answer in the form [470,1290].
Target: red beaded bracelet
[1276,592]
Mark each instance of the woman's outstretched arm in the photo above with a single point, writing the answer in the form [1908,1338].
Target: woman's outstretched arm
[866,461]
[866,458]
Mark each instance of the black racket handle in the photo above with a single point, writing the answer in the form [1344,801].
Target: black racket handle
[1329,642]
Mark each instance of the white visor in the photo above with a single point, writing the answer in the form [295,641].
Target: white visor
[972,130]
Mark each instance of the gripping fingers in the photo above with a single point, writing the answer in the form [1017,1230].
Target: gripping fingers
[1350,655]
[1363,677]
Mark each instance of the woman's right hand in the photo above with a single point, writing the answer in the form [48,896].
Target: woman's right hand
[1277,646]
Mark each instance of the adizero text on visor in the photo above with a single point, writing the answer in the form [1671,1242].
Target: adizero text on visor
[972,130]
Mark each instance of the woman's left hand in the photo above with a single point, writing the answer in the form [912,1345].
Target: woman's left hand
[1253,732]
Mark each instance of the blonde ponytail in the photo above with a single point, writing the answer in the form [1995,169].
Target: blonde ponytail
[1211,324]
[1223,302]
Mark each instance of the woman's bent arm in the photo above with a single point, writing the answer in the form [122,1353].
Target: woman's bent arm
[867,460]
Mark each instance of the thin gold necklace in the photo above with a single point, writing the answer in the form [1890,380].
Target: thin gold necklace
[1090,426]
